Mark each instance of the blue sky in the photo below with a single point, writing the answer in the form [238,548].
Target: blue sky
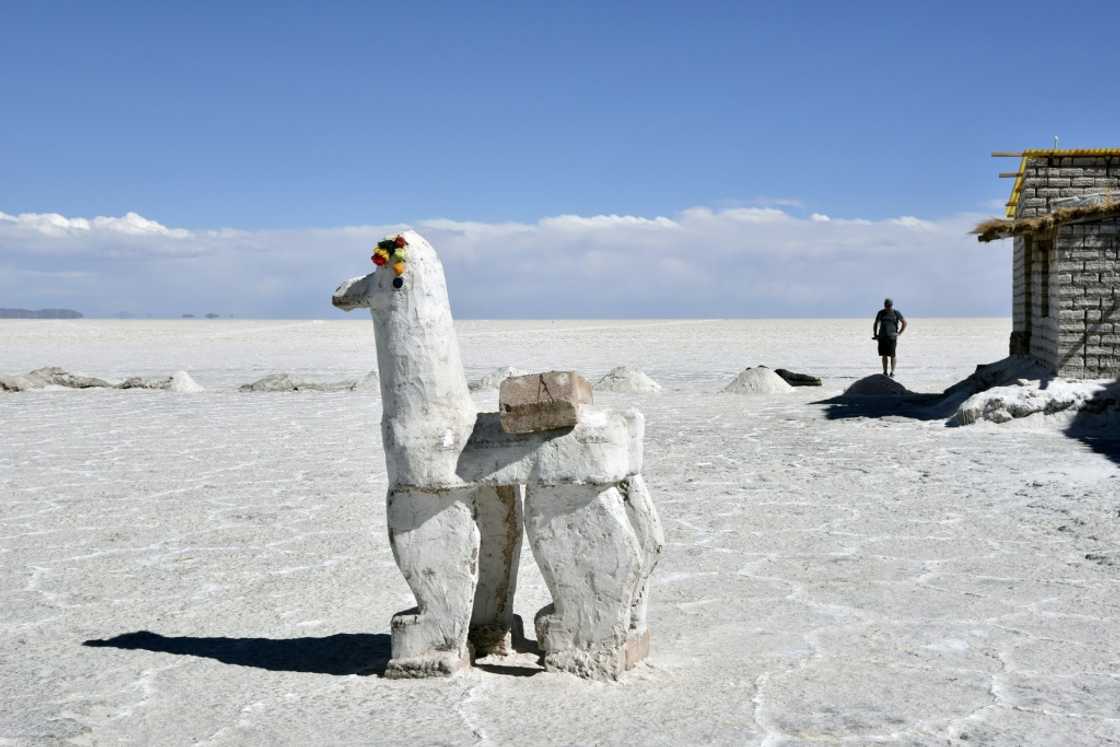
[291,117]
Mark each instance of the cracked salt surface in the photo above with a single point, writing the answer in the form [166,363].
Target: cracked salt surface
[850,580]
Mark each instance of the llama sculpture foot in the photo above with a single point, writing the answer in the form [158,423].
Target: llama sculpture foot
[435,542]
[591,560]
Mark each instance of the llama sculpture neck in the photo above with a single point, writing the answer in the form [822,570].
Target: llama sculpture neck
[427,410]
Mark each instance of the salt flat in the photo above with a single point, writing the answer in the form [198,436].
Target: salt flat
[213,568]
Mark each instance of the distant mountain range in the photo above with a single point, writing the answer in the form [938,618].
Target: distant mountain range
[40,314]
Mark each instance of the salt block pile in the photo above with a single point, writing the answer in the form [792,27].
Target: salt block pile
[52,376]
[1088,400]
[494,379]
[282,382]
[876,385]
[626,379]
[49,376]
[146,382]
[180,381]
[758,380]
[798,379]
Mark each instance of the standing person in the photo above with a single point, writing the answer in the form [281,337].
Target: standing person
[889,324]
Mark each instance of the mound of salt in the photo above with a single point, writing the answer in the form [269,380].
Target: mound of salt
[182,382]
[626,379]
[494,379]
[876,385]
[1002,404]
[758,380]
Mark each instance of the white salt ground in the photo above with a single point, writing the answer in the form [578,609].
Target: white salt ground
[961,591]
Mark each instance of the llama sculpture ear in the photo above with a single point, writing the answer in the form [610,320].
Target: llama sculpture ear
[353,293]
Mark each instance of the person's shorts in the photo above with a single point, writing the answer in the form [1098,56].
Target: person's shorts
[887,345]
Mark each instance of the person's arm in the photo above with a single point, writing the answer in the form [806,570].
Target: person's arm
[902,328]
[875,327]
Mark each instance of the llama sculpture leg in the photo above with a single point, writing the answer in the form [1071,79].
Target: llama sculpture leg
[435,541]
[591,560]
[498,511]
[647,526]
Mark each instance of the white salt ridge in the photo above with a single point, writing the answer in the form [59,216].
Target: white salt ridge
[50,377]
[282,382]
[494,379]
[56,379]
[629,380]
[370,383]
[758,380]
[146,382]
[1096,400]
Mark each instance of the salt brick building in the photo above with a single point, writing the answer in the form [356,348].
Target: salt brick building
[1064,217]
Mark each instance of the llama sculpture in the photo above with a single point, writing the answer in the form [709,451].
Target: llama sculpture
[457,483]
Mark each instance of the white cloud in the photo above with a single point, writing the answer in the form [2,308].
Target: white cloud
[601,222]
[755,261]
[778,201]
[53,224]
[910,221]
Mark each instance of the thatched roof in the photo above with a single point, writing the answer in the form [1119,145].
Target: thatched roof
[1031,153]
[1002,228]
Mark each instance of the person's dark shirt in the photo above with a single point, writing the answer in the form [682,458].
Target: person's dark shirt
[889,320]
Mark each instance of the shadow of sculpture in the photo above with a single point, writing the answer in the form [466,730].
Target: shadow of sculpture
[1097,423]
[339,654]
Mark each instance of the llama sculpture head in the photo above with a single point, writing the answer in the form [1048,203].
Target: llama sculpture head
[427,410]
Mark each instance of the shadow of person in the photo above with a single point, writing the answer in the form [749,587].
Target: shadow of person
[339,654]
[913,406]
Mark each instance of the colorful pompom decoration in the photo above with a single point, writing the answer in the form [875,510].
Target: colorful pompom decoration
[390,251]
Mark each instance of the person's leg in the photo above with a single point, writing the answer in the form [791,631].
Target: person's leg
[892,366]
[884,365]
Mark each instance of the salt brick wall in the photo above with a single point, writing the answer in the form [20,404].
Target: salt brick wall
[1047,178]
[1019,292]
[1085,293]
[1044,329]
